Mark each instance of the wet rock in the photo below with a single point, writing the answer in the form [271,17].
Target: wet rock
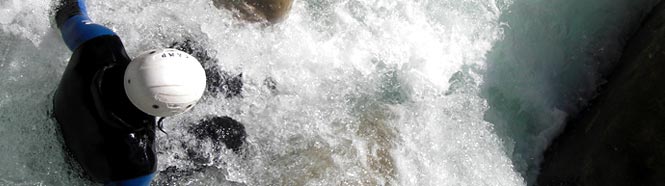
[272,11]
[217,81]
[175,176]
[620,138]
[221,130]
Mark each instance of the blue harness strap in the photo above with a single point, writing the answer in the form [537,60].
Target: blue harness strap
[140,181]
[79,28]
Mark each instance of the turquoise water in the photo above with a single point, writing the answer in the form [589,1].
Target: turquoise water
[369,92]
[547,66]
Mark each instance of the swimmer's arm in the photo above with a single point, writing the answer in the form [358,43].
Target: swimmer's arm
[68,9]
[75,26]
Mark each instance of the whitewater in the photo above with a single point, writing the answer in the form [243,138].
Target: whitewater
[342,92]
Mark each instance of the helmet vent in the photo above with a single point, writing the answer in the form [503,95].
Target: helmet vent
[155,106]
[129,81]
[189,106]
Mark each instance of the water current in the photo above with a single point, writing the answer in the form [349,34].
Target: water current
[366,92]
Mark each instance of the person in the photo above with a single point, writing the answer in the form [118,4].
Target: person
[107,105]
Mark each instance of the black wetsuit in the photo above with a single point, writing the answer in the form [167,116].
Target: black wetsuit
[112,140]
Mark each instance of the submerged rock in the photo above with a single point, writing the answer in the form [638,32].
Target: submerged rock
[272,11]
[620,138]
[218,82]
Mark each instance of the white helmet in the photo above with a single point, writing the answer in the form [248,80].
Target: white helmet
[164,82]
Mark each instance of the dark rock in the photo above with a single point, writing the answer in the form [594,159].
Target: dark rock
[620,138]
[218,81]
[172,174]
[224,132]
[221,130]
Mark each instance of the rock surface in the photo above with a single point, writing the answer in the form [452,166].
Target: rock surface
[271,11]
[620,138]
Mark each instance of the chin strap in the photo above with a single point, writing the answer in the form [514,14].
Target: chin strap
[160,125]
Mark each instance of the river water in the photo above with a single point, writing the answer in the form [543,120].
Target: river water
[366,92]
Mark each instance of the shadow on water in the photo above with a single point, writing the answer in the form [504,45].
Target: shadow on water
[552,57]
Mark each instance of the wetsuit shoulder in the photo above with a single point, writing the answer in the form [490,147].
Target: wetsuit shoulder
[88,95]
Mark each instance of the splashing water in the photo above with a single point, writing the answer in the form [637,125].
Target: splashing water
[368,92]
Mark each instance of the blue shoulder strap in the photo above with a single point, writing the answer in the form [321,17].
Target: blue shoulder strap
[79,28]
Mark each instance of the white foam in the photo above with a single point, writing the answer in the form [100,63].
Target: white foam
[369,92]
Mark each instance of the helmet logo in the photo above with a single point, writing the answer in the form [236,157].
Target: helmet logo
[174,54]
